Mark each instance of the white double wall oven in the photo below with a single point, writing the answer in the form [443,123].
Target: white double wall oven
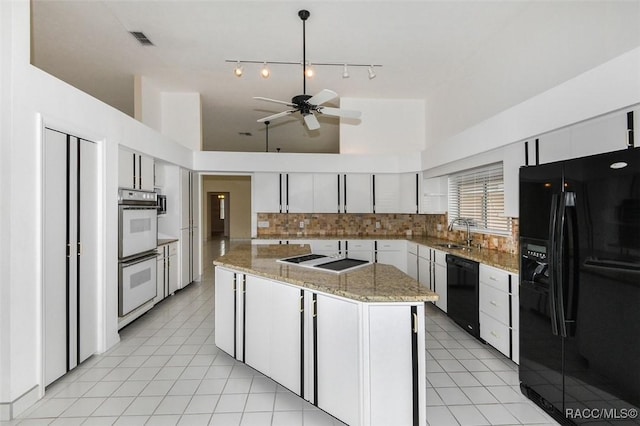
[137,244]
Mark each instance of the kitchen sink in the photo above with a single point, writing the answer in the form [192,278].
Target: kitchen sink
[455,246]
[450,246]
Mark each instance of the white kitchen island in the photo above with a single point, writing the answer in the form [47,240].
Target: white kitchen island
[353,344]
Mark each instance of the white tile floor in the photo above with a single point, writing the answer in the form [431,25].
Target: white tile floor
[167,371]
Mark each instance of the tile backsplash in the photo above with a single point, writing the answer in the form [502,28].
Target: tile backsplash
[376,225]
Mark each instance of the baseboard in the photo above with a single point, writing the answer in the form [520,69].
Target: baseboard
[10,410]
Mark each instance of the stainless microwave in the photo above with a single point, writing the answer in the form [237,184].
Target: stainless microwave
[162,204]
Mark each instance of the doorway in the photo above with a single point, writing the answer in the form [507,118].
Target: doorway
[220,205]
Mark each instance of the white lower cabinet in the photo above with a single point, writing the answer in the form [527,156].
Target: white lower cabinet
[392,252]
[287,325]
[412,260]
[499,310]
[226,309]
[167,271]
[432,273]
[393,381]
[256,323]
[336,354]
[363,363]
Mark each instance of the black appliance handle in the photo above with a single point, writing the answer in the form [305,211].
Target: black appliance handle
[560,267]
[553,263]
[569,306]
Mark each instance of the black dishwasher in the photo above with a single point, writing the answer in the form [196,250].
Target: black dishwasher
[463,293]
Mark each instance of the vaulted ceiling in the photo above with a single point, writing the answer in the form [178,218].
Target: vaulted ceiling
[468,60]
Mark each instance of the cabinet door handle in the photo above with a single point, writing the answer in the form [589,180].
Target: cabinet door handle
[301,303]
[79,248]
[493,302]
[315,308]
[415,323]
[494,334]
[492,278]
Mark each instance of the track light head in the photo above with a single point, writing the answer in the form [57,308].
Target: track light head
[372,74]
[345,72]
[237,71]
[308,71]
[265,72]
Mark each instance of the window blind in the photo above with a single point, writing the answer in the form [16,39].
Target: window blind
[478,194]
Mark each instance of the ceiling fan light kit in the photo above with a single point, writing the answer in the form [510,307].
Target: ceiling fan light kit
[305,104]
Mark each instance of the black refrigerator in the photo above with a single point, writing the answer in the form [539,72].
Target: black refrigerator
[580,288]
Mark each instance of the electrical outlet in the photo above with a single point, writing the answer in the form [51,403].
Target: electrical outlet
[263,224]
[439,227]
[301,224]
[378,225]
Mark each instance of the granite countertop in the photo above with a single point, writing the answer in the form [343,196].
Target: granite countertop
[163,241]
[509,262]
[372,283]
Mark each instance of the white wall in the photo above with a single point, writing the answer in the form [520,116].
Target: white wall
[239,189]
[517,55]
[31,99]
[237,162]
[392,126]
[6,38]
[177,115]
[182,118]
[608,87]
[147,102]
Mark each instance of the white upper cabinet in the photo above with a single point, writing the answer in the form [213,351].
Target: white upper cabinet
[596,136]
[554,146]
[434,195]
[298,189]
[357,190]
[602,134]
[326,193]
[409,193]
[386,193]
[283,192]
[266,193]
[395,193]
[135,170]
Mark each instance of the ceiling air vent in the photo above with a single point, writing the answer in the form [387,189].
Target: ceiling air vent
[141,38]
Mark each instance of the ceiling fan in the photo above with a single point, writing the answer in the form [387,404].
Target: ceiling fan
[307,104]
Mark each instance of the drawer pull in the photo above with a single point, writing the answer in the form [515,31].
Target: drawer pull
[493,302]
[494,334]
[492,278]
[415,323]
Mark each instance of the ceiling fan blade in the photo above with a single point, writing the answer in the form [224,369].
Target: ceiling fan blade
[324,96]
[278,115]
[337,112]
[312,122]
[260,98]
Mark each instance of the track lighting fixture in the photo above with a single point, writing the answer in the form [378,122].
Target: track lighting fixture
[309,71]
[265,73]
[345,72]
[372,74]
[237,71]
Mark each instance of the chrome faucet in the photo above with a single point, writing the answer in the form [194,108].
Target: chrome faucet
[467,222]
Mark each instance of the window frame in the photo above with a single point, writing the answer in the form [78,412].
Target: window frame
[478,194]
